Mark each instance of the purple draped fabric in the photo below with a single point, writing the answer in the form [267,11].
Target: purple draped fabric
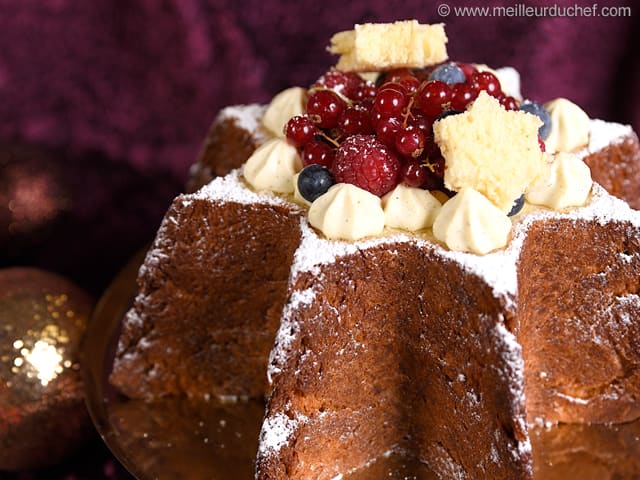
[120,93]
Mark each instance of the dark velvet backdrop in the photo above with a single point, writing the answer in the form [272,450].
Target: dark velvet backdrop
[108,100]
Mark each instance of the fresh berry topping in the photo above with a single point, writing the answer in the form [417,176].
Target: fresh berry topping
[543,146]
[403,77]
[354,120]
[313,181]
[318,152]
[432,96]
[376,117]
[387,129]
[435,173]
[365,91]
[345,83]
[300,130]
[414,173]
[396,74]
[410,141]
[365,162]
[448,73]
[462,94]
[517,206]
[436,165]
[536,109]
[509,103]
[324,108]
[424,123]
[488,82]
[468,70]
[390,101]
[423,73]
[448,113]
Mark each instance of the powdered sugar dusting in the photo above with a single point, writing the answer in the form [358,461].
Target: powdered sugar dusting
[514,377]
[288,330]
[231,188]
[275,433]
[604,133]
[498,269]
[602,208]
[247,117]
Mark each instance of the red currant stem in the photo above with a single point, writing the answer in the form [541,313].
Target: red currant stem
[429,165]
[407,114]
[332,141]
[346,100]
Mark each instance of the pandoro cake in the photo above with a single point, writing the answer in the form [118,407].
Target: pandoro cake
[438,319]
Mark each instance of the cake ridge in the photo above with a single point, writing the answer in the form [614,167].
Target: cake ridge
[497,267]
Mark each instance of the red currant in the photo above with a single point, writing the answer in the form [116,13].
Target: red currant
[488,82]
[300,130]
[319,153]
[414,173]
[467,69]
[509,103]
[324,108]
[365,162]
[422,122]
[386,130]
[395,74]
[432,96]
[404,77]
[435,174]
[354,120]
[462,95]
[390,101]
[376,117]
[410,141]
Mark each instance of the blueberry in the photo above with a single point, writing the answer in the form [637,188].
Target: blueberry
[313,181]
[536,109]
[448,73]
[517,206]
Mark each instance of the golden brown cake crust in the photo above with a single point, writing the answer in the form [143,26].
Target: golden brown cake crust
[211,292]
[227,146]
[399,350]
[617,168]
[579,314]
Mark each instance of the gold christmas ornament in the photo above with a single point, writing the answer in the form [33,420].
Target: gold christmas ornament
[42,416]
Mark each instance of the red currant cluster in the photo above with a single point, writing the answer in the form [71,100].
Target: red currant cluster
[377,135]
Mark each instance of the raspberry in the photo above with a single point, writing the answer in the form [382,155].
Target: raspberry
[348,84]
[365,162]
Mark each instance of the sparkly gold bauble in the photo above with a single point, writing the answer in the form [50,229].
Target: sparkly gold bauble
[42,414]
